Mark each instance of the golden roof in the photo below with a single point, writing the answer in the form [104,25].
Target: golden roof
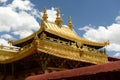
[45,16]
[55,49]
[68,33]
[58,20]
[62,31]
[9,56]
[70,24]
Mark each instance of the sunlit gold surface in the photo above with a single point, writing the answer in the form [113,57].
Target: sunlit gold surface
[58,20]
[64,32]
[11,56]
[45,16]
[60,30]
[62,50]
[70,24]
[27,38]
[67,33]
[69,52]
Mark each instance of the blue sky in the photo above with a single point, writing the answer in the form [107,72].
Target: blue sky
[84,12]
[97,20]
[96,12]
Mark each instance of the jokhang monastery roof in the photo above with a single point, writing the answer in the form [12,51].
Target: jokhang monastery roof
[11,54]
[67,33]
[107,71]
[62,31]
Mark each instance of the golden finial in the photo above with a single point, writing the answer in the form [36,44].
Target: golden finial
[45,16]
[58,12]
[58,20]
[70,24]
[10,41]
[107,43]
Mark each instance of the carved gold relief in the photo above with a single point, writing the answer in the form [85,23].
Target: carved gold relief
[74,53]
[75,48]
[43,36]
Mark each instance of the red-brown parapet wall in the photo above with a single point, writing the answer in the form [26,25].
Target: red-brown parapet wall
[84,71]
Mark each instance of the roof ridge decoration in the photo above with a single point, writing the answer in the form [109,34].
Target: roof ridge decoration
[58,29]
[45,16]
[70,24]
[10,41]
[107,43]
[58,20]
[36,40]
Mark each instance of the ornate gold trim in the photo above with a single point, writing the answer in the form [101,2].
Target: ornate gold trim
[72,53]
[24,52]
[66,33]
[27,38]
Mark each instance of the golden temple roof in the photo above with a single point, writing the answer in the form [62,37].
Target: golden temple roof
[54,49]
[64,32]
[9,56]
[68,33]
[35,44]
[58,29]
[70,24]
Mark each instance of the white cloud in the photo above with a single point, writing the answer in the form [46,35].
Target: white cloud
[25,22]
[22,33]
[21,4]
[103,33]
[3,1]
[52,14]
[4,42]
[6,36]
[16,21]
[19,18]
[117,55]
[86,28]
[117,19]
[8,19]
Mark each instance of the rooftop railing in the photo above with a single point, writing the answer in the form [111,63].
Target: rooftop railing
[9,48]
[67,50]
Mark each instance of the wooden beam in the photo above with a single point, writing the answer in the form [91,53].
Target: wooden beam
[12,68]
[62,63]
[77,64]
[4,67]
[56,69]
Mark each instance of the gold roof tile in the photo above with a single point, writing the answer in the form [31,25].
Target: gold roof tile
[66,32]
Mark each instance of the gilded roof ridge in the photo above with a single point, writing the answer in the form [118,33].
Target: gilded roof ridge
[76,36]
[28,37]
[61,30]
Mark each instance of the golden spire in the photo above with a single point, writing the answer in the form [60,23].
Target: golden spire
[70,24]
[45,16]
[58,20]
[10,41]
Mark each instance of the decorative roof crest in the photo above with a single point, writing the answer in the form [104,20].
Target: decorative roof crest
[70,24]
[58,20]
[107,43]
[45,16]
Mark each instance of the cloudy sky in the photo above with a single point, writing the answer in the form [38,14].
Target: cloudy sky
[97,20]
